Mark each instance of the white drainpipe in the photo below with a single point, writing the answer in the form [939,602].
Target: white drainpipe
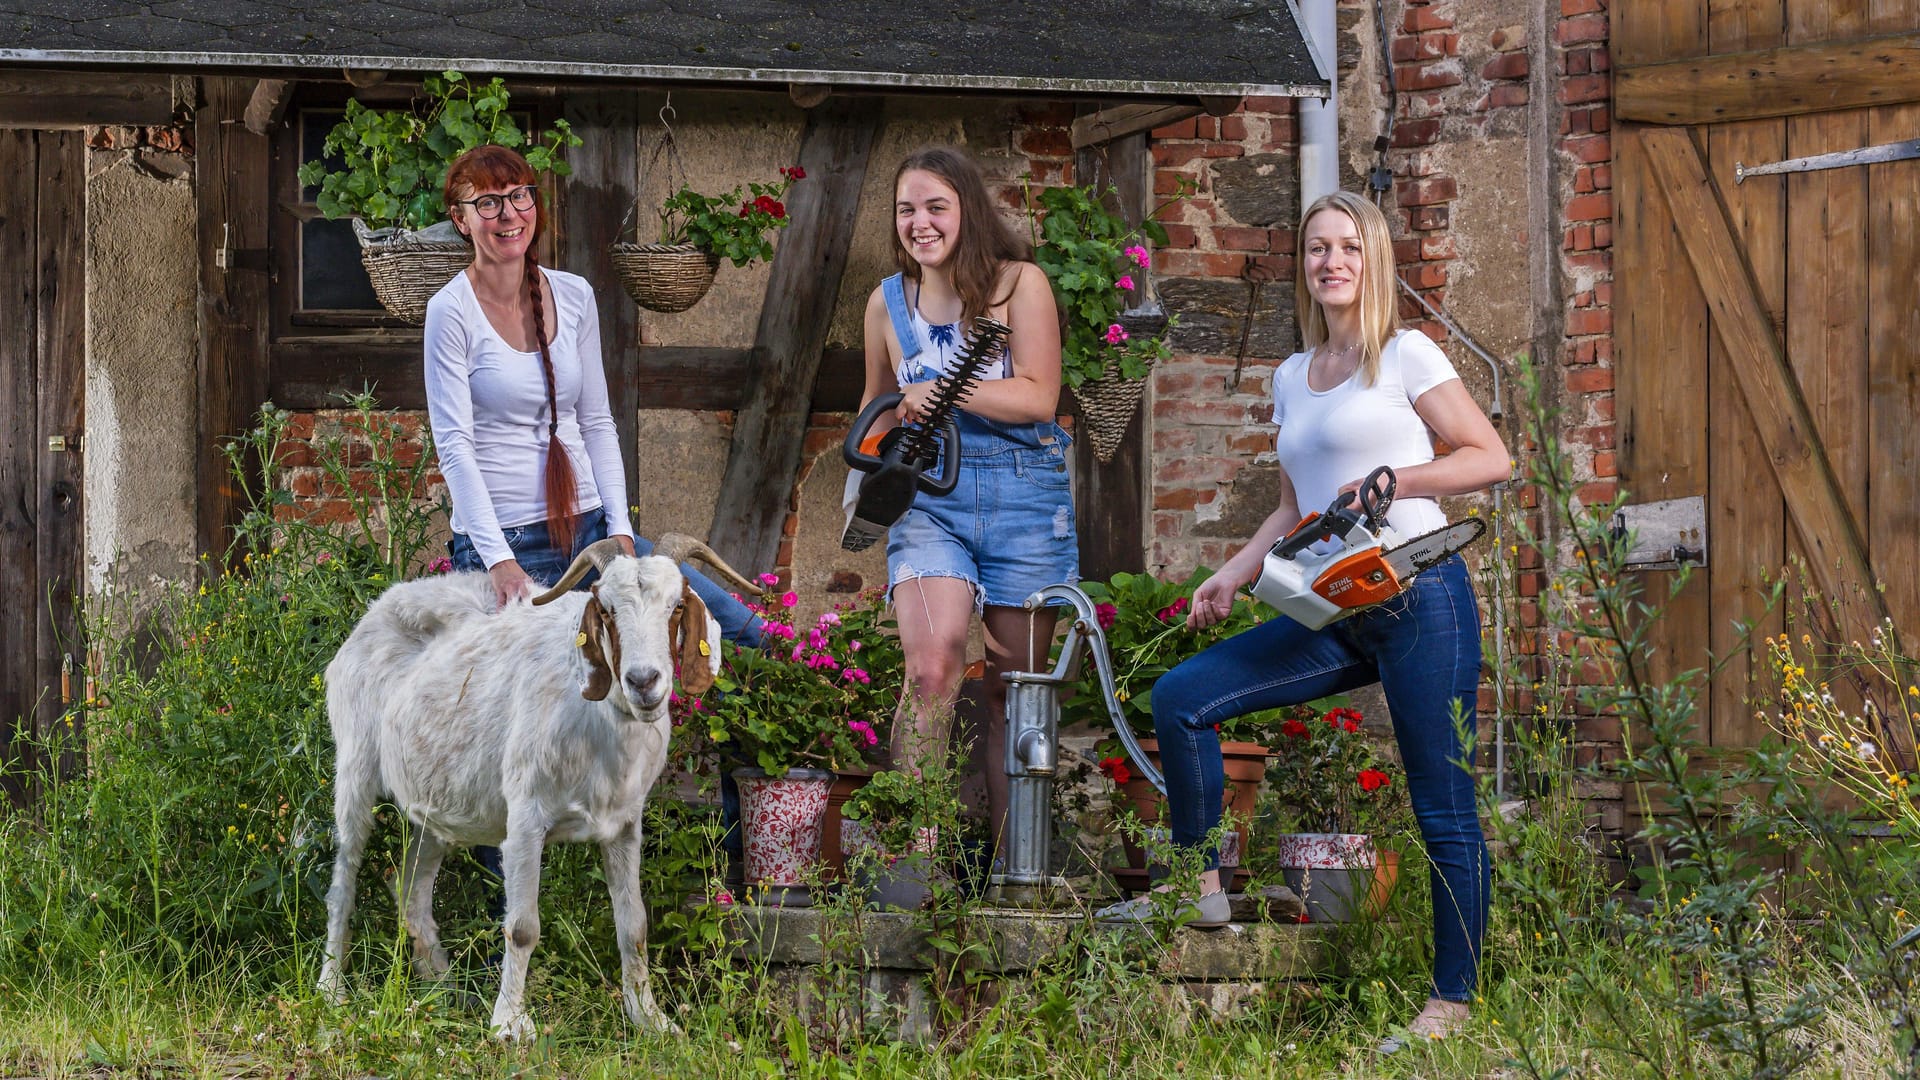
[1320,117]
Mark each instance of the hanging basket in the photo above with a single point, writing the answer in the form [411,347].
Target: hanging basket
[1107,405]
[407,268]
[663,277]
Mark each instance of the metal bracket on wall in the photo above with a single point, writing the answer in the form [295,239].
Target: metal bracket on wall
[1664,534]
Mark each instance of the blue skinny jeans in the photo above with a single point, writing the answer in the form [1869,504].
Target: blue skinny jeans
[1423,648]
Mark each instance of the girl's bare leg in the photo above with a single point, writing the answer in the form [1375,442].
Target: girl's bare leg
[934,614]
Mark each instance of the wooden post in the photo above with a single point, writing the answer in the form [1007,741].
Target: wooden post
[61,302]
[1110,499]
[764,456]
[230,175]
[598,196]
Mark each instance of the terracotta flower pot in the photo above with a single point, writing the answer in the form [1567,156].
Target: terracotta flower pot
[781,817]
[832,853]
[1334,874]
[1246,766]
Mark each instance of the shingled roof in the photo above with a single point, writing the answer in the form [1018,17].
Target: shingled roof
[1117,47]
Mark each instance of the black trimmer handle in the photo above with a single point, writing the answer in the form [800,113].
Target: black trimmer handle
[856,458]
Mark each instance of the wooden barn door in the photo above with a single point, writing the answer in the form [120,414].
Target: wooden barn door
[42,372]
[1767,330]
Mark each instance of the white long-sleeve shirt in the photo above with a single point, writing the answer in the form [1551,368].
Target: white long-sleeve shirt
[487,403]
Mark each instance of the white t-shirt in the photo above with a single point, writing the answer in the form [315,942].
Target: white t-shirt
[487,403]
[1330,438]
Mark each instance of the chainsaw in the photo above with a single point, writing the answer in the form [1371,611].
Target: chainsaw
[1314,585]
[899,464]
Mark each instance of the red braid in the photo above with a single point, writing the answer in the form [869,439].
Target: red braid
[562,489]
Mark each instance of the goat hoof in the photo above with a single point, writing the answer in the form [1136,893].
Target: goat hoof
[332,986]
[514,1028]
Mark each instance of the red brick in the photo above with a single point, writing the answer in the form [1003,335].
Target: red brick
[1583,180]
[1530,584]
[1437,247]
[1167,181]
[1590,321]
[1589,208]
[1180,236]
[1427,276]
[1410,133]
[1597,60]
[1603,176]
[299,426]
[1603,294]
[1426,77]
[1421,19]
[1596,492]
[1233,127]
[1255,103]
[1241,238]
[1603,463]
[1175,498]
[1406,250]
[1584,89]
[1280,240]
[1603,235]
[1271,267]
[1507,96]
[1570,8]
[1599,119]
[1168,154]
[1046,142]
[1408,50]
[1589,380]
[1582,28]
[1576,62]
[1590,148]
[1251,443]
[1428,217]
[1425,192]
[1511,65]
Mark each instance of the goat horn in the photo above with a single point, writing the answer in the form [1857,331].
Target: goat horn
[595,556]
[679,547]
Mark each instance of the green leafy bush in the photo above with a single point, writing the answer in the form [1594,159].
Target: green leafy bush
[1090,255]
[394,161]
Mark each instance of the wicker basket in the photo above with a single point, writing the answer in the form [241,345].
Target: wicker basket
[664,277]
[1107,405]
[407,271]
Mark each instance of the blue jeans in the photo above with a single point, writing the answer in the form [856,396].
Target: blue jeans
[544,564]
[1423,648]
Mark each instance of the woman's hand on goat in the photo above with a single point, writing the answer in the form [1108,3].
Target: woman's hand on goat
[510,583]
[626,545]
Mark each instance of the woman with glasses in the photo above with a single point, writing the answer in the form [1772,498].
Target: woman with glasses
[517,400]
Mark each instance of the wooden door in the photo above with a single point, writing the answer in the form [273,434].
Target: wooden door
[42,371]
[1767,329]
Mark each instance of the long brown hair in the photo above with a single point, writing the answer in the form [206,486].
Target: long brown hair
[985,241]
[494,167]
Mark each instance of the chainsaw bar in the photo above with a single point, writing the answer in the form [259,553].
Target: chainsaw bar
[1434,548]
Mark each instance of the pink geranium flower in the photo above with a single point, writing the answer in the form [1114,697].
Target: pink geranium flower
[1117,334]
[1107,615]
[1139,256]
[1125,282]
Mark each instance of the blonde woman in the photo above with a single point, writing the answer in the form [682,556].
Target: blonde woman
[1363,394]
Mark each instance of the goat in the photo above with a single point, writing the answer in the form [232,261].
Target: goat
[533,724]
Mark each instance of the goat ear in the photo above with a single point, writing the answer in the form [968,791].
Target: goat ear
[699,651]
[599,675]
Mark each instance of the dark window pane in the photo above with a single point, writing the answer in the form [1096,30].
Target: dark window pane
[314,125]
[331,277]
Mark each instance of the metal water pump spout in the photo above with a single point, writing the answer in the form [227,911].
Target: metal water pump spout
[1032,748]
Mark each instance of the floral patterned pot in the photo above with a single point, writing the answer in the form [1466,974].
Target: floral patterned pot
[1333,873]
[781,817]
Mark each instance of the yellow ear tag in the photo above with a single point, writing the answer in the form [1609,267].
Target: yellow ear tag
[580,641]
[705,649]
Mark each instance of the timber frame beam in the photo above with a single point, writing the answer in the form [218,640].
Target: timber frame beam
[802,290]
[1789,81]
[1836,550]
[33,98]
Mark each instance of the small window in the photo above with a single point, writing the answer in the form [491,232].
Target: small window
[330,279]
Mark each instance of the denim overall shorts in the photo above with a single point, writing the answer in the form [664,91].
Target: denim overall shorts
[1007,528]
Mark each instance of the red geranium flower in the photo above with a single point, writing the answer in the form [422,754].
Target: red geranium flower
[1294,729]
[1106,614]
[1372,780]
[1173,611]
[1116,769]
[794,173]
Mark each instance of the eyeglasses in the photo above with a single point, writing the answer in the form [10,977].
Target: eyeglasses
[490,206]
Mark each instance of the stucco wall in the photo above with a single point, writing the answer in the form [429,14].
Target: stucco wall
[142,344]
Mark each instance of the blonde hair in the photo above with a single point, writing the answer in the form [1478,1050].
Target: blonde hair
[1379,307]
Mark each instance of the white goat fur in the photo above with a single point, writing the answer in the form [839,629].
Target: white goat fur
[474,723]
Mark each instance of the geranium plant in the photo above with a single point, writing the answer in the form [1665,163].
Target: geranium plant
[392,161]
[821,697]
[1144,619]
[902,811]
[1094,257]
[733,224]
[1327,773]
